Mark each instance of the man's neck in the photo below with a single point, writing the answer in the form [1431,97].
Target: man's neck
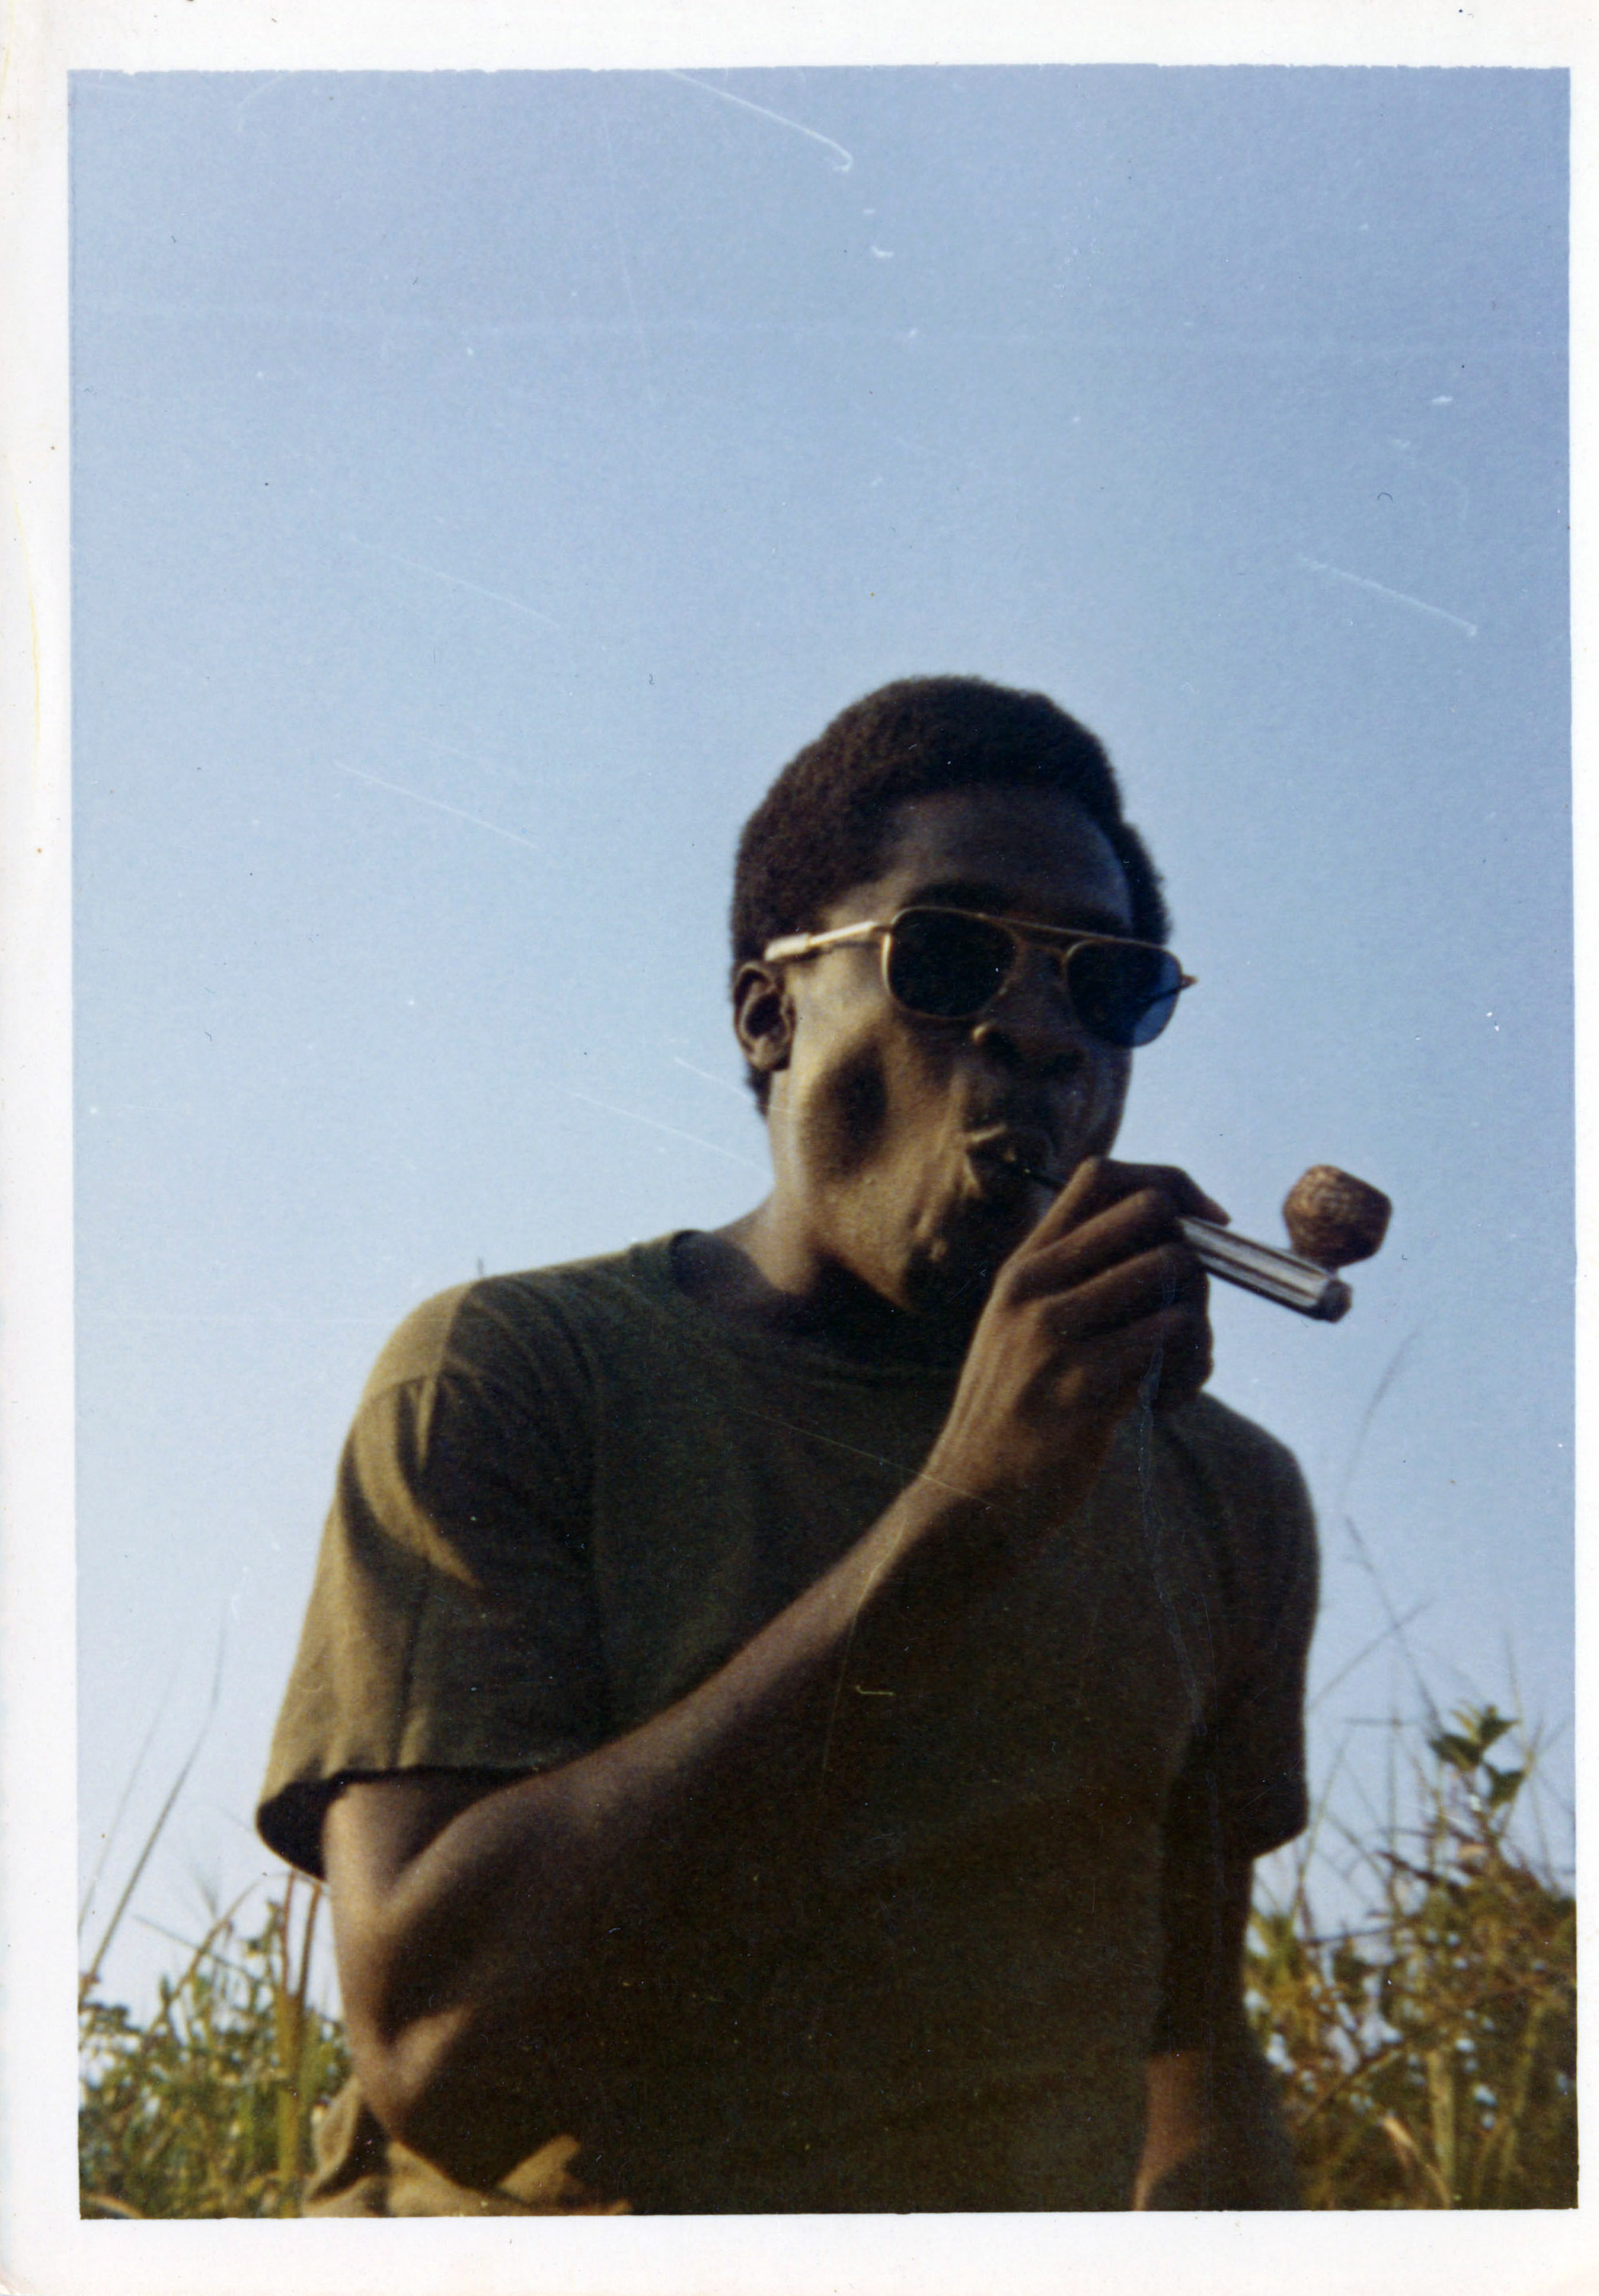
[757,1273]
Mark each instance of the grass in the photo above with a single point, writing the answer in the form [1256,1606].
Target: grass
[208,2108]
[1426,2049]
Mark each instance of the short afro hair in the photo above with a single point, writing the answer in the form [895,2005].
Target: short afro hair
[820,828]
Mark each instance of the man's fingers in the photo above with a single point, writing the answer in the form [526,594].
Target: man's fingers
[1123,1293]
[1099,1181]
[1126,1226]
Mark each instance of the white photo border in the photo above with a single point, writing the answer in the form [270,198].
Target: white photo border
[44,2244]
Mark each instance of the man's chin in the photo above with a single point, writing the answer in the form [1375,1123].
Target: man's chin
[950,1274]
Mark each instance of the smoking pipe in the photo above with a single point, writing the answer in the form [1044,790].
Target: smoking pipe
[1333,1220]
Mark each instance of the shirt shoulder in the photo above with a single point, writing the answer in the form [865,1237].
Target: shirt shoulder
[1213,1430]
[453,1623]
[505,1331]
[1249,1499]
[1248,1482]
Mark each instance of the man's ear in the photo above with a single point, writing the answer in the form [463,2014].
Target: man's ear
[763,1018]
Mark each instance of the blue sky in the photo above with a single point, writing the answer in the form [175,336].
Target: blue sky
[483,484]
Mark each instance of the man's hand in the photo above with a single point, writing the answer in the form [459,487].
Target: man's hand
[1103,1301]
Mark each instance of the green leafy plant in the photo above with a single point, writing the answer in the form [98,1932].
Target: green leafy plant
[208,2110]
[1428,2054]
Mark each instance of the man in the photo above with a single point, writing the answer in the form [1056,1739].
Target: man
[786,1715]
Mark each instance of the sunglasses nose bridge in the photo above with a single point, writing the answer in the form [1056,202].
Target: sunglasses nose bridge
[1034,1000]
[1040,963]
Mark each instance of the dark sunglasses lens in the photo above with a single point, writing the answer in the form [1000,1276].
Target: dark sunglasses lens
[1124,996]
[947,966]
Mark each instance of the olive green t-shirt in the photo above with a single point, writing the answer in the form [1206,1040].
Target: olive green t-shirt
[569,1496]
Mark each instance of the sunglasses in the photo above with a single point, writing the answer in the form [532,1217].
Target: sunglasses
[951,964]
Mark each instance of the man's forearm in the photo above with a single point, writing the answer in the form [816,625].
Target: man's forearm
[542,1915]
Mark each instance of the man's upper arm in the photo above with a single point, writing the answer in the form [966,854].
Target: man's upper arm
[1204,1916]
[1215,2136]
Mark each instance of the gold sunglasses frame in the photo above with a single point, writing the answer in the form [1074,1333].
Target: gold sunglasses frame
[1059,939]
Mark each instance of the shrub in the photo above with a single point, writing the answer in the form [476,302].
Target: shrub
[208,2110]
[1428,2055]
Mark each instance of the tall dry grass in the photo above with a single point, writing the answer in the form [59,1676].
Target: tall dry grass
[208,2109]
[1428,2051]
[1426,2048]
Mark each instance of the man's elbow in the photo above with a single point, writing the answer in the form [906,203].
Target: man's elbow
[458,2075]
[405,2054]
[407,1991]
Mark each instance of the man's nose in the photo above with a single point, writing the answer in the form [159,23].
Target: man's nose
[1032,1021]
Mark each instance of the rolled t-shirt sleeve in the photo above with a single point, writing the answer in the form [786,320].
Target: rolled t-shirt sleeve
[451,1622]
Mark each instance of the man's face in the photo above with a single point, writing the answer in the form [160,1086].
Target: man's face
[895,1137]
